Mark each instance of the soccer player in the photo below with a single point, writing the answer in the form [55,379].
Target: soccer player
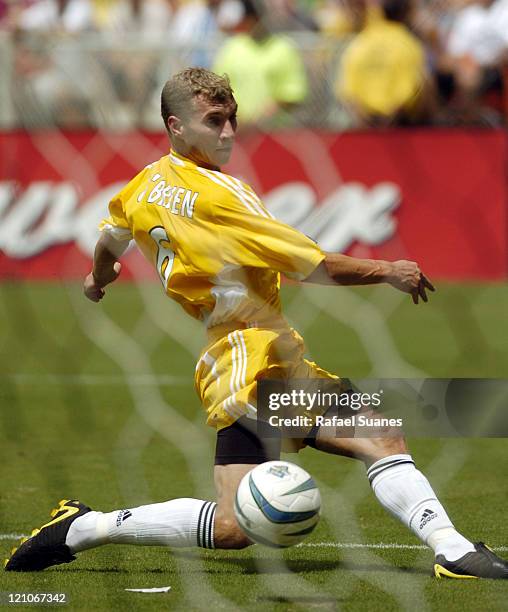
[219,253]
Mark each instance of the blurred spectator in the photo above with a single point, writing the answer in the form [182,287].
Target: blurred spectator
[99,63]
[382,74]
[51,87]
[103,16]
[9,11]
[480,30]
[342,17]
[266,71]
[148,18]
[476,51]
[72,85]
[290,16]
[128,59]
[46,15]
[197,25]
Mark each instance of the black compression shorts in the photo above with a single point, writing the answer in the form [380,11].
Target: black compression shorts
[241,443]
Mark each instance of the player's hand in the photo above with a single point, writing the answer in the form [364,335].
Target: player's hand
[407,277]
[93,288]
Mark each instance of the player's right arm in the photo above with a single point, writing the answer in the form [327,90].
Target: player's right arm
[113,242]
[106,266]
[343,270]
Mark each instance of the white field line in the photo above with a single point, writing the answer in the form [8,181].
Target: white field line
[375,546]
[102,379]
[380,545]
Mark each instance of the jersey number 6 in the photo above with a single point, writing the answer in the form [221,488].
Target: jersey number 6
[165,256]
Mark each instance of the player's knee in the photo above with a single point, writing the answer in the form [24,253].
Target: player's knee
[227,534]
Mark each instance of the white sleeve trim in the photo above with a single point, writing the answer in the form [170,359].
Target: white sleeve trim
[118,233]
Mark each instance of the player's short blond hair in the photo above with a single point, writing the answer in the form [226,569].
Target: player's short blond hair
[191,83]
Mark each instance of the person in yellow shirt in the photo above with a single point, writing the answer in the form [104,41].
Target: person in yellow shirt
[382,74]
[219,253]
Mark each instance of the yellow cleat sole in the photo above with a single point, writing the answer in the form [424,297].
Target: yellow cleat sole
[442,572]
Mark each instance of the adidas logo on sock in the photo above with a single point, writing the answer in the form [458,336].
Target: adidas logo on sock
[122,516]
[427,516]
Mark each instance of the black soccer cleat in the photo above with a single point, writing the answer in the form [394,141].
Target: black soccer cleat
[482,563]
[46,545]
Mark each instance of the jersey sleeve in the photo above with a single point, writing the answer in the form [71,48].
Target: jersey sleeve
[117,225]
[250,236]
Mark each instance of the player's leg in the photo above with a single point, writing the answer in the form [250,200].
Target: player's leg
[239,449]
[74,527]
[184,522]
[407,494]
[177,523]
[226,379]
[398,485]
[227,532]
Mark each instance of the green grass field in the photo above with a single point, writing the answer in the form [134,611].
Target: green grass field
[97,402]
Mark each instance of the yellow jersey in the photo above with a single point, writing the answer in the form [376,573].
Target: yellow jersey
[217,249]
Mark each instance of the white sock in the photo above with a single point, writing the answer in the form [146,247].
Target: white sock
[178,523]
[406,493]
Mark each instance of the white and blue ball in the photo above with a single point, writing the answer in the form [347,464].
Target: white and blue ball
[277,504]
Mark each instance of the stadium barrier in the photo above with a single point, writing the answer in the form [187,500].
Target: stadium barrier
[108,81]
[436,196]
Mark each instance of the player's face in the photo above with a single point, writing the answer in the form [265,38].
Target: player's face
[209,132]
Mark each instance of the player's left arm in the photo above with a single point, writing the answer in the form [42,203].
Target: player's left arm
[106,267]
[257,239]
[403,275]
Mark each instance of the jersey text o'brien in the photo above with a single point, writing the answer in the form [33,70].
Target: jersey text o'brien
[177,200]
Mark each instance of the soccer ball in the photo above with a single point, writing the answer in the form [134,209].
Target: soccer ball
[277,504]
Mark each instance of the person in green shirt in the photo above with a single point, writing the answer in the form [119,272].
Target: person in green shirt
[265,70]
